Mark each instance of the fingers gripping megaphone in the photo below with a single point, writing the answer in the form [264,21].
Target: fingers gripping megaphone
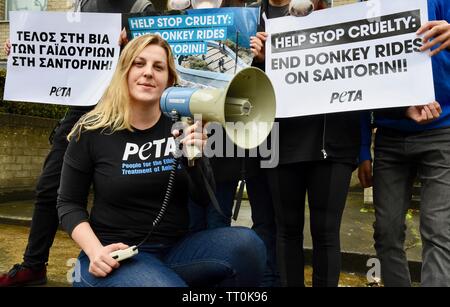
[249,99]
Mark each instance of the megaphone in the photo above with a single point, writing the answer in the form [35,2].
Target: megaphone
[248,99]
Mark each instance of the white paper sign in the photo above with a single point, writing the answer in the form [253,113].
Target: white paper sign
[352,57]
[60,58]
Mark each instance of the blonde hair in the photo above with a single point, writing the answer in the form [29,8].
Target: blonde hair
[113,112]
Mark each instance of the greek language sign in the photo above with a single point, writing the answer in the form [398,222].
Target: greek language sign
[364,56]
[57,58]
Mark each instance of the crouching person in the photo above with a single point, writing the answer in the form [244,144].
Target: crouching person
[125,147]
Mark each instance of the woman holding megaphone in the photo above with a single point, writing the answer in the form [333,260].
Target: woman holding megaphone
[126,148]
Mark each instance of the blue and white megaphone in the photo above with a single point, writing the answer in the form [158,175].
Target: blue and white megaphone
[245,108]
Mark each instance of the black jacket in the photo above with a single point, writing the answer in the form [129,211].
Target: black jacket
[318,137]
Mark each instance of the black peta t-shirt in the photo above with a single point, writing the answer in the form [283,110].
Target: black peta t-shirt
[130,173]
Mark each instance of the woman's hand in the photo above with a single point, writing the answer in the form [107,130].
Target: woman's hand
[424,114]
[193,135]
[257,46]
[436,31]
[7,47]
[123,39]
[101,263]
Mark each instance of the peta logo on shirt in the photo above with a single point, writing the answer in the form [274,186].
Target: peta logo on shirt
[154,149]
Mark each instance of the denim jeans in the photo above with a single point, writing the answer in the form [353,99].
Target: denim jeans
[230,256]
[399,157]
[263,218]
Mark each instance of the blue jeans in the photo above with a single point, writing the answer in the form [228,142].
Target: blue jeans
[230,256]
[263,217]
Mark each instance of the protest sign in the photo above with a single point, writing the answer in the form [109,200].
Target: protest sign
[353,57]
[210,45]
[56,58]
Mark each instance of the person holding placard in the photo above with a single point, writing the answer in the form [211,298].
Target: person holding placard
[412,142]
[317,156]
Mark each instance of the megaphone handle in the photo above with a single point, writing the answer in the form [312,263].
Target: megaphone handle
[191,151]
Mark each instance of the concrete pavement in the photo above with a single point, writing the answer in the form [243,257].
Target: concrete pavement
[356,237]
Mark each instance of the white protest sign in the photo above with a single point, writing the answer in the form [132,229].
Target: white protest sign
[352,57]
[56,58]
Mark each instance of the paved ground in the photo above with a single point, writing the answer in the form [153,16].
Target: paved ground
[13,241]
[356,240]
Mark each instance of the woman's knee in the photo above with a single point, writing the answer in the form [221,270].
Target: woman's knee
[247,248]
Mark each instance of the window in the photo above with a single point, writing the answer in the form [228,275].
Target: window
[25,5]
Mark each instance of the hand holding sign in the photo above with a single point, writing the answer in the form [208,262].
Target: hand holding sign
[7,47]
[424,114]
[439,33]
[257,46]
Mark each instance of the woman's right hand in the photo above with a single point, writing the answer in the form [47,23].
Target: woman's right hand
[7,47]
[101,263]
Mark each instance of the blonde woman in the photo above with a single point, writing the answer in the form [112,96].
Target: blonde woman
[125,148]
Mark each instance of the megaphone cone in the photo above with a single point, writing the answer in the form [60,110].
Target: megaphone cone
[245,108]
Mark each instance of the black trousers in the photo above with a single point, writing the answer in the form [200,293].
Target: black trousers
[45,217]
[264,223]
[326,184]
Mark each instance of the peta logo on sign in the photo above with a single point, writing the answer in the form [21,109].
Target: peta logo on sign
[348,96]
[60,91]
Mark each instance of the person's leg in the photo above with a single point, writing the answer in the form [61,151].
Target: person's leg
[393,176]
[45,216]
[45,220]
[288,186]
[142,270]
[225,192]
[263,217]
[227,256]
[434,174]
[327,187]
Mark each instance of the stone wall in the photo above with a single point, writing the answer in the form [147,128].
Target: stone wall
[23,147]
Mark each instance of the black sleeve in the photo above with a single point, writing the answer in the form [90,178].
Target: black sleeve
[72,197]
[76,178]
[391,113]
[197,175]
[150,8]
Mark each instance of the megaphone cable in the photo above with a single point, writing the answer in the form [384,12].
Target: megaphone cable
[176,160]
